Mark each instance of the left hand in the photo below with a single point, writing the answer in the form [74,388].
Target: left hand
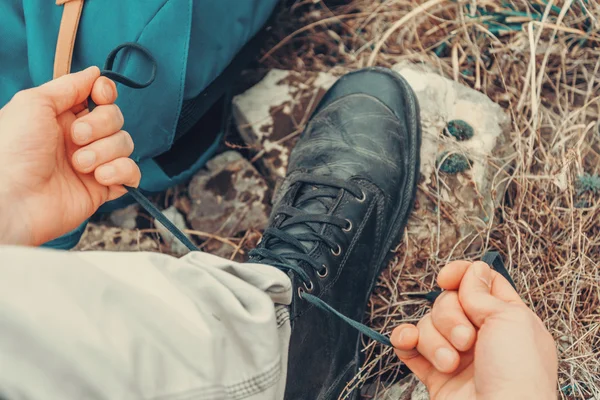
[480,341]
[57,168]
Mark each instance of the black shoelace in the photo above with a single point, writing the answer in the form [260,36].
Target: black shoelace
[297,252]
[491,258]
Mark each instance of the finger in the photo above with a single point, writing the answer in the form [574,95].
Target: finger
[69,90]
[122,171]
[435,348]
[452,274]
[104,91]
[405,339]
[450,320]
[88,158]
[102,122]
[475,295]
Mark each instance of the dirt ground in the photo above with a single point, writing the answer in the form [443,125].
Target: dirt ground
[540,61]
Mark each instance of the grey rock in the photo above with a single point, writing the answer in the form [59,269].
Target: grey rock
[453,211]
[420,392]
[228,197]
[409,388]
[271,114]
[178,220]
[125,217]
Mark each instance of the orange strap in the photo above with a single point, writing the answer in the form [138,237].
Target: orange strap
[66,36]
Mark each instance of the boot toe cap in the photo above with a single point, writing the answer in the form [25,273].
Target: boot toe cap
[385,85]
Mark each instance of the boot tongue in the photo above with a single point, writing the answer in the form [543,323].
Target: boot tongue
[320,206]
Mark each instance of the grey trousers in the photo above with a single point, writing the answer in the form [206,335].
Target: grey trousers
[119,326]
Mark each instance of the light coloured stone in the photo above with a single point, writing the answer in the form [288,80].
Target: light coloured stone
[125,217]
[272,114]
[453,211]
[228,197]
[408,388]
[170,240]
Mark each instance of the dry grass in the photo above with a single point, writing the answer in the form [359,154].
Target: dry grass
[540,60]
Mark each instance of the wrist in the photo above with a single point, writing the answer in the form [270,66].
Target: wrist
[526,394]
[12,231]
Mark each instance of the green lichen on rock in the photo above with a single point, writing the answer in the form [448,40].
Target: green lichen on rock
[459,129]
[587,183]
[453,163]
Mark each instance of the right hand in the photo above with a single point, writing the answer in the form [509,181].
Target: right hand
[57,168]
[480,341]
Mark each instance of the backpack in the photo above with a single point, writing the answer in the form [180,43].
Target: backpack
[200,45]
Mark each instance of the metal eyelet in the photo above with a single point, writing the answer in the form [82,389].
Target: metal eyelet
[323,274]
[363,198]
[300,291]
[348,227]
[309,288]
[337,251]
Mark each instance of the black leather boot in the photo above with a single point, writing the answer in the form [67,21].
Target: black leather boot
[349,190]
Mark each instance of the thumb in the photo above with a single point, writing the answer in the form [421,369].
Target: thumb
[475,295]
[67,91]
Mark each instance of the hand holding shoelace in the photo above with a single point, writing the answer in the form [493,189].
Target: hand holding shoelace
[57,168]
[480,341]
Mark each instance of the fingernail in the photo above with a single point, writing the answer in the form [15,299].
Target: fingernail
[402,336]
[107,91]
[82,132]
[483,273]
[86,158]
[460,337]
[106,172]
[444,359]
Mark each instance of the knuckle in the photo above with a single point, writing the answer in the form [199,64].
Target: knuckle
[445,307]
[133,167]
[69,90]
[22,96]
[407,355]
[447,303]
[108,117]
[127,141]
[133,172]
[468,302]
[424,321]
[118,115]
[447,299]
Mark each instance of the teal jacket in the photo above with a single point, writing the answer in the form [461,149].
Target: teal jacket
[192,40]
